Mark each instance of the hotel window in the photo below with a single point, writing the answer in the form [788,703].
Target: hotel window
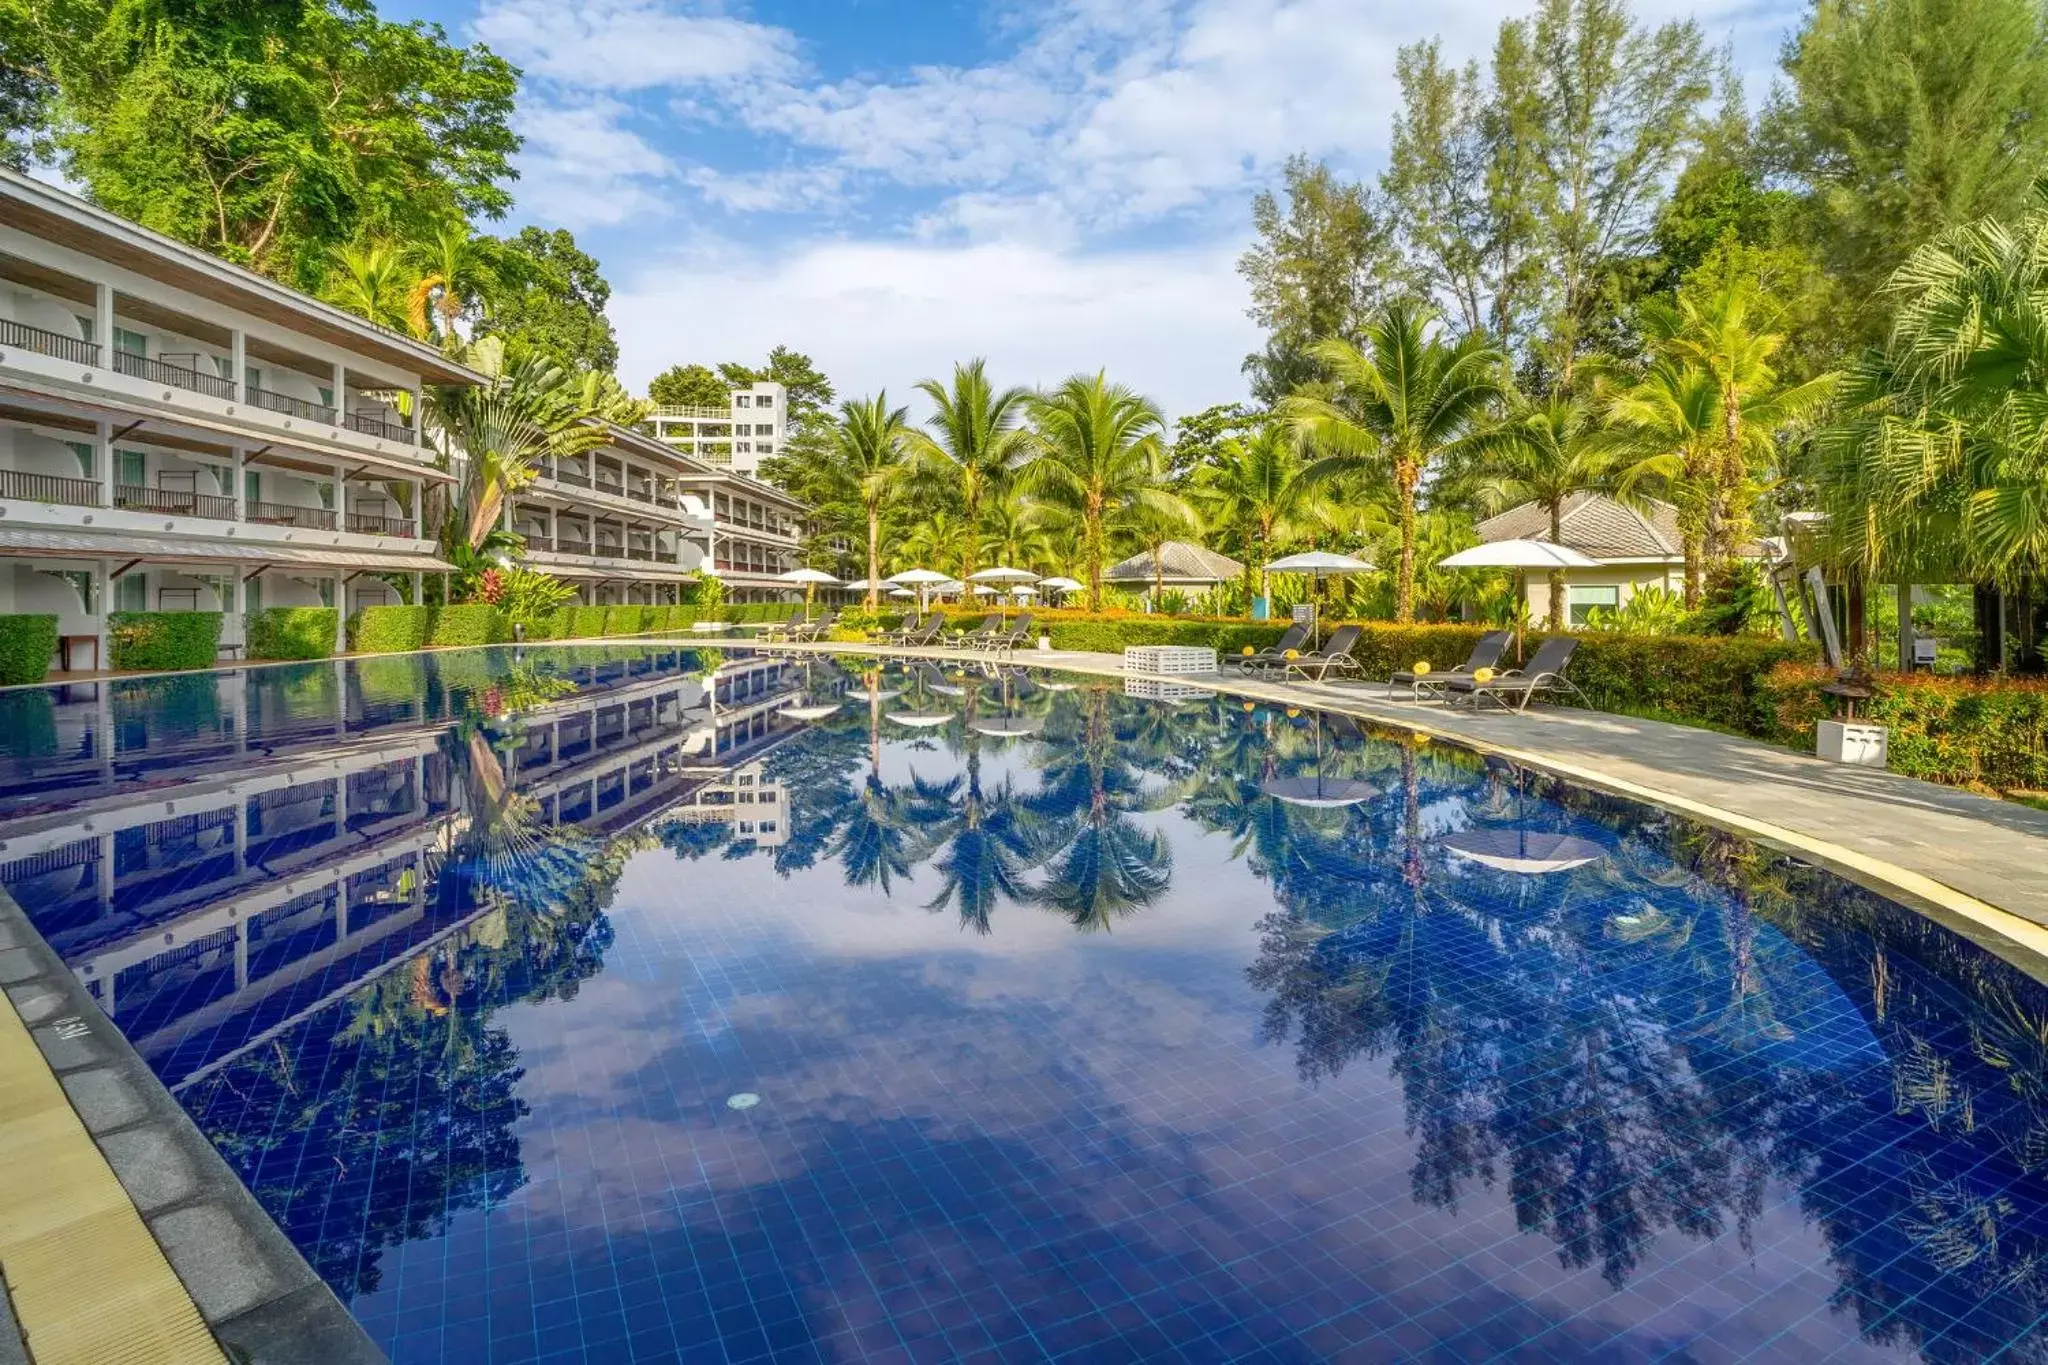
[739,400]
[83,450]
[131,592]
[253,592]
[764,400]
[134,343]
[128,467]
[764,429]
[1580,599]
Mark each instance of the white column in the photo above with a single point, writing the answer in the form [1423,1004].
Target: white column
[103,440]
[340,614]
[103,321]
[238,360]
[418,414]
[241,611]
[552,514]
[340,497]
[102,591]
[419,588]
[419,508]
[340,393]
[235,478]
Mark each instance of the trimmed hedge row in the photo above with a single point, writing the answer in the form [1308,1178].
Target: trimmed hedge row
[388,630]
[26,644]
[291,633]
[163,641]
[1967,732]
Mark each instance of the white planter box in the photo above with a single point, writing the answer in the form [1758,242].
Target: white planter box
[1170,660]
[1155,689]
[1045,644]
[1847,741]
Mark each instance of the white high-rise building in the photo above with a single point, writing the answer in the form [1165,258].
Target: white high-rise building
[738,437]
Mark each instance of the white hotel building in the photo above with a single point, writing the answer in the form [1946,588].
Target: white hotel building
[752,426]
[178,433]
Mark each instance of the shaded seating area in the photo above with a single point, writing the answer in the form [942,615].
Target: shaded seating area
[1003,641]
[1513,689]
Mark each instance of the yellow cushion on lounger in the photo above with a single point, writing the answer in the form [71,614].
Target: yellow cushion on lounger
[1292,654]
[1482,675]
[1421,669]
[1248,651]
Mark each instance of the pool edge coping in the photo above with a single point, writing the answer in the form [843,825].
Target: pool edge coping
[254,1291]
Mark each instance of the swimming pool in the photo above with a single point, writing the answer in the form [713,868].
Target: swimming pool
[648,1004]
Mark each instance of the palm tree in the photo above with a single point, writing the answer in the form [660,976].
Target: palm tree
[975,442]
[372,280]
[1392,409]
[1544,452]
[1940,462]
[455,277]
[869,447]
[1099,457]
[1722,330]
[1665,426]
[1255,484]
[1014,531]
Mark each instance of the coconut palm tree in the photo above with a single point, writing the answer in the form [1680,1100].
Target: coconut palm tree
[455,277]
[1545,452]
[1663,429]
[870,452]
[975,441]
[1255,484]
[1098,457]
[372,280]
[1393,408]
[1014,531]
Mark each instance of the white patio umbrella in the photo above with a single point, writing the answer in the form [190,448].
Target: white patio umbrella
[1001,574]
[816,712]
[919,579]
[1062,586]
[810,578]
[1317,564]
[1319,791]
[1005,727]
[1522,556]
[1520,851]
[920,720]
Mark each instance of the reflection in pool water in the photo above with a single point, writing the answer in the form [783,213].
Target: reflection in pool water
[652,1005]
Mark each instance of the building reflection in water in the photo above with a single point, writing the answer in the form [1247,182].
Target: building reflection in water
[298,854]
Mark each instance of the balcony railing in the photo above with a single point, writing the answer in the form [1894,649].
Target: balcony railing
[371,524]
[569,545]
[574,478]
[177,376]
[377,426]
[173,502]
[611,486]
[44,342]
[290,406]
[641,552]
[284,514]
[49,488]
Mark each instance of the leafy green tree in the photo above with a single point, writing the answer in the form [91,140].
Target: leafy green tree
[870,443]
[373,280]
[689,386]
[1902,118]
[1198,437]
[1320,266]
[974,442]
[1619,109]
[1393,408]
[26,89]
[549,298]
[1097,459]
[273,131]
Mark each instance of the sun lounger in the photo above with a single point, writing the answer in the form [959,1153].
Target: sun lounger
[1002,642]
[1336,654]
[991,626]
[909,626]
[1512,689]
[1485,654]
[1275,656]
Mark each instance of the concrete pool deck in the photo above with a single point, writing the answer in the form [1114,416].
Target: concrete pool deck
[1978,864]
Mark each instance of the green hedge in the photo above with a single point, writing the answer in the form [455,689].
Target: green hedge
[469,623]
[291,632]
[390,630]
[26,644]
[164,641]
[1987,734]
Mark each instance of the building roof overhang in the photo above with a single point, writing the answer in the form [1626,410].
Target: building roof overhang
[47,212]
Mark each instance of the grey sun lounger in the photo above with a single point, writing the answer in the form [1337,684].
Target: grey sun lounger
[806,632]
[1003,641]
[1275,655]
[1512,689]
[1485,654]
[1334,655]
[991,626]
[934,626]
[903,630]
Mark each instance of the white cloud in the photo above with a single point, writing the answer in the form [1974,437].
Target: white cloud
[581,167]
[1169,323]
[631,44]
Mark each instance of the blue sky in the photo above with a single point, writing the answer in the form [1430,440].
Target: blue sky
[891,185]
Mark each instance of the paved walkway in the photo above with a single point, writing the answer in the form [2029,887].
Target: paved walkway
[1977,863]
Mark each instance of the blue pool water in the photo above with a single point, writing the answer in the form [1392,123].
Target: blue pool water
[646,1005]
